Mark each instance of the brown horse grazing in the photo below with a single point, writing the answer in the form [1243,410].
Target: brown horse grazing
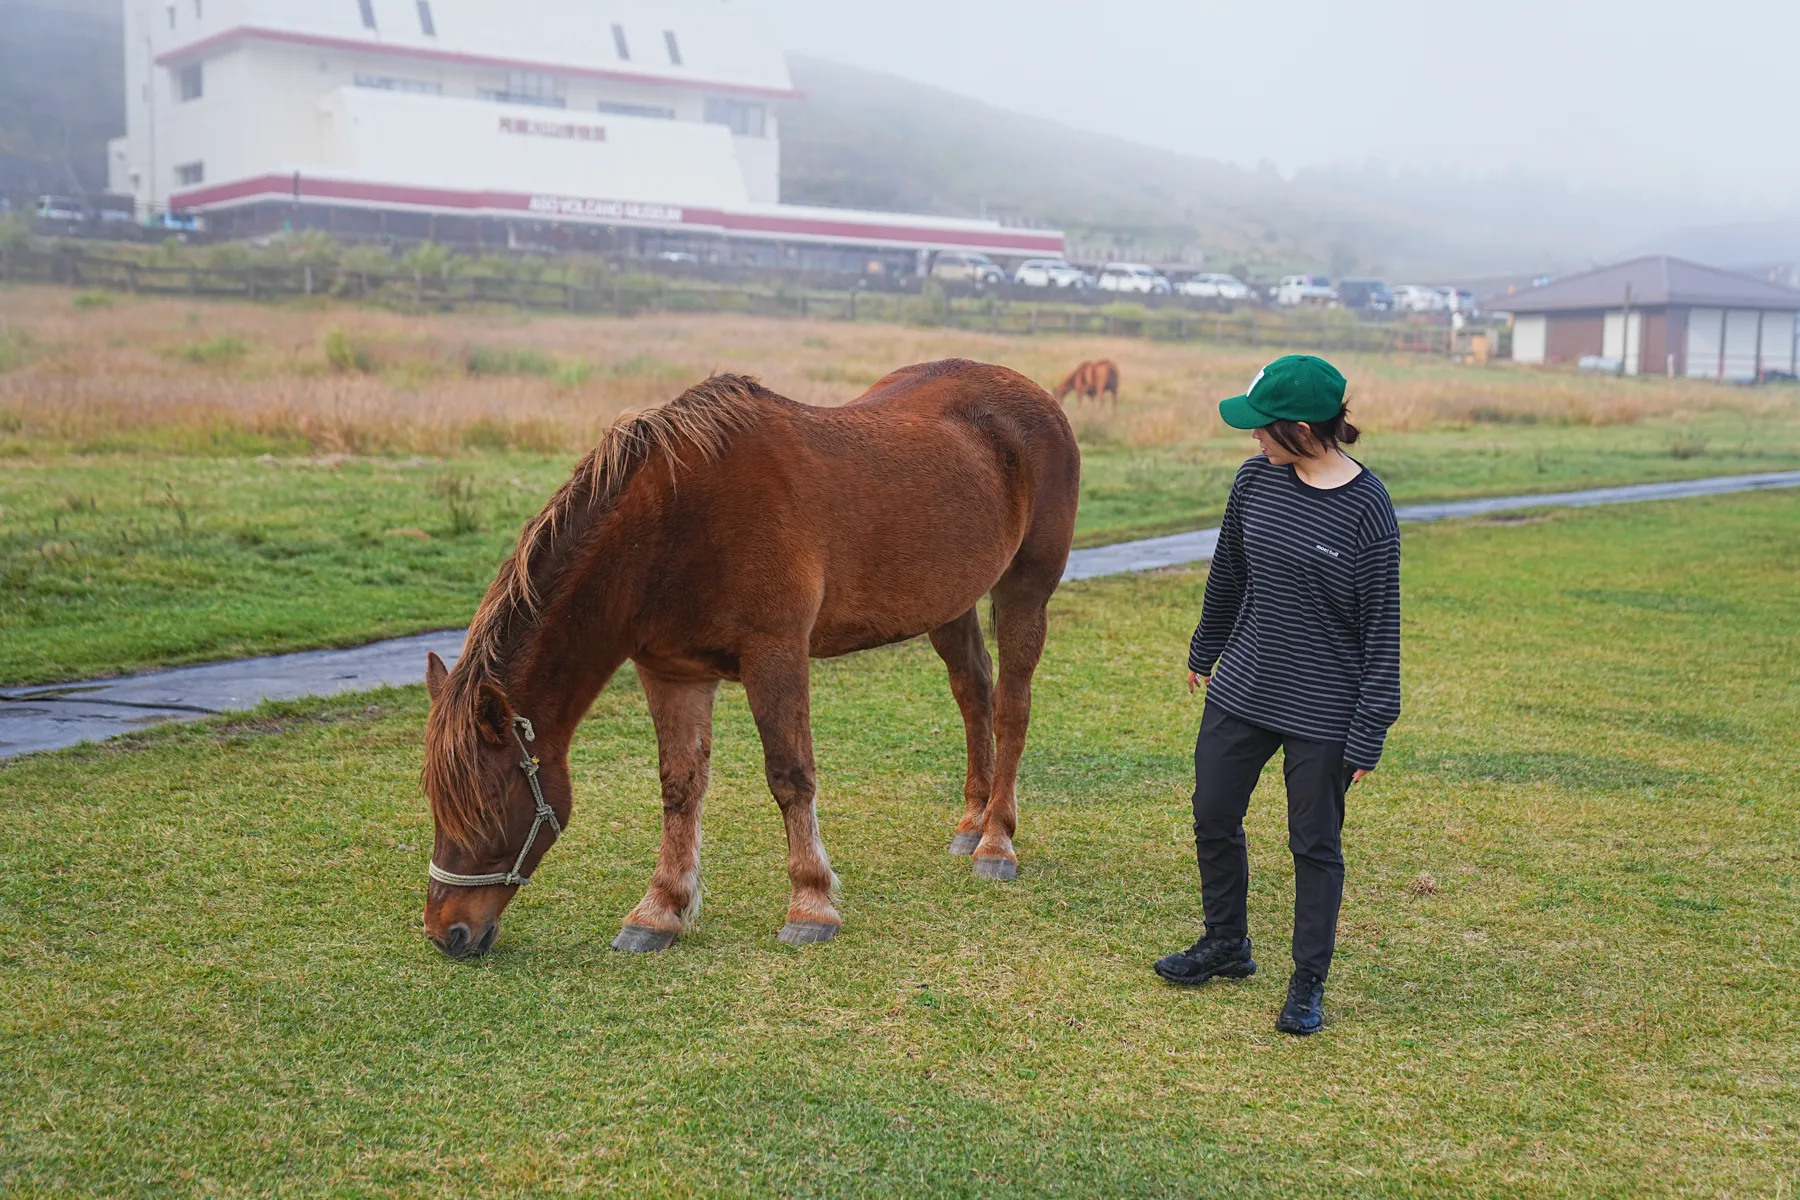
[733,534]
[1092,380]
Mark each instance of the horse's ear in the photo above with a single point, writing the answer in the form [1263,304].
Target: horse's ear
[493,714]
[435,674]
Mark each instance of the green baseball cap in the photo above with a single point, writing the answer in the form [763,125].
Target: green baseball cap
[1295,387]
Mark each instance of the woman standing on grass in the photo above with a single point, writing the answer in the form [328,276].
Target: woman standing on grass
[1302,617]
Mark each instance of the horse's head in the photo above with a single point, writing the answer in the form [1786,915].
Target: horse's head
[495,805]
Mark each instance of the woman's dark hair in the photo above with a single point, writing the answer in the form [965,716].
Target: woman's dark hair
[1315,437]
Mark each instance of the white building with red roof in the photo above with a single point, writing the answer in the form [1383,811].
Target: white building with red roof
[622,124]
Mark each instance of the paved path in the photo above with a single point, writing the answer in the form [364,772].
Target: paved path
[49,718]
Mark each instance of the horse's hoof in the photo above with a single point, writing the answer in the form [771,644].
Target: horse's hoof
[965,843]
[804,933]
[641,939]
[1003,869]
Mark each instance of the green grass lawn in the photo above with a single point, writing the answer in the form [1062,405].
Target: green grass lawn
[212,980]
[117,562]
[1138,493]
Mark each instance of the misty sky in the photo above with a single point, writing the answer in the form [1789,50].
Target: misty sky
[1692,99]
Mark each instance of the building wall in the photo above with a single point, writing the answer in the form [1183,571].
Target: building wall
[473,145]
[1674,327]
[264,99]
[1528,335]
[1752,342]
[1568,336]
[1654,348]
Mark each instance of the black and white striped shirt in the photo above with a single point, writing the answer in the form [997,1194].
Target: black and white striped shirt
[1302,610]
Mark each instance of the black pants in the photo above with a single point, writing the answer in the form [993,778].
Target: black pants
[1228,756]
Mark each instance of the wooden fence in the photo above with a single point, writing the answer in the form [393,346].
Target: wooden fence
[603,295]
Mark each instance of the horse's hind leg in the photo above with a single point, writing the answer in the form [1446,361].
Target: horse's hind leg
[964,652]
[1021,623]
[682,713]
[775,682]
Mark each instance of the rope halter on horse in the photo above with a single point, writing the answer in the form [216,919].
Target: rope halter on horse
[516,876]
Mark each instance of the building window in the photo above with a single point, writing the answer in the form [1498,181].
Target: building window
[426,25]
[673,45]
[529,87]
[190,83]
[389,83]
[190,174]
[620,44]
[368,12]
[743,118]
[636,110]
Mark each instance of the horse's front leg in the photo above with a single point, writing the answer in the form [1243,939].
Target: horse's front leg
[776,684]
[682,712]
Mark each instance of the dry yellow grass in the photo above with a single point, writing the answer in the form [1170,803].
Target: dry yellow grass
[88,372]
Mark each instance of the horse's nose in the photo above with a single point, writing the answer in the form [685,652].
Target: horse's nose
[460,942]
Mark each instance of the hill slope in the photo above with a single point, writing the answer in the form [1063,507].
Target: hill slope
[62,93]
[866,139]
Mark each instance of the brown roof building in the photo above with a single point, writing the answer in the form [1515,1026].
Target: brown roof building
[1659,315]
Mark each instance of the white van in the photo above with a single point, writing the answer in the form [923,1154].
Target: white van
[1134,277]
[1051,272]
[1295,290]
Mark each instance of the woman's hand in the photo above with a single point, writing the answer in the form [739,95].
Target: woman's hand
[1195,680]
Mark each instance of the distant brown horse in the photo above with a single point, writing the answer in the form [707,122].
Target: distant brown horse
[1092,380]
[733,534]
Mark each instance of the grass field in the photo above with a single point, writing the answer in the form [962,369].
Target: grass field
[183,482]
[1569,960]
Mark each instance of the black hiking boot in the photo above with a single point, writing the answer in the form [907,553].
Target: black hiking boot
[1226,957]
[1304,1011]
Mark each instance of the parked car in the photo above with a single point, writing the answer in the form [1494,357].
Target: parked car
[1295,290]
[1457,300]
[179,221]
[1051,272]
[685,257]
[65,212]
[1371,295]
[1134,277]
[1411,298]
[965,266]
[1214,287]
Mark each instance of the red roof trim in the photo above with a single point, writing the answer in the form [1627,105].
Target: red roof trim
[219,40]
[698,219]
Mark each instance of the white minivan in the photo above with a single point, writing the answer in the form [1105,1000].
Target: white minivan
[1051,272]
[1295,290]
[1133,277]
[1412,298]
[1214,287]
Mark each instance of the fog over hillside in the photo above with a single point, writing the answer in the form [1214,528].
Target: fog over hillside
[867,139]
[873,139]
[61,93]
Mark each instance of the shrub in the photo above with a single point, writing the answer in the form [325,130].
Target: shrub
[489,360]
[219,351]
[346,354]
[15,231]
[574,373]
[458,495]
[646,366]
[91,299]
[15,348]
[1688,445]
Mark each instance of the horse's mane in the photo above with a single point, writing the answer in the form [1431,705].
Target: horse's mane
[696,426]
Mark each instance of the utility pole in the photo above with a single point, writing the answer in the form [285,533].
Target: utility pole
[1624,332]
